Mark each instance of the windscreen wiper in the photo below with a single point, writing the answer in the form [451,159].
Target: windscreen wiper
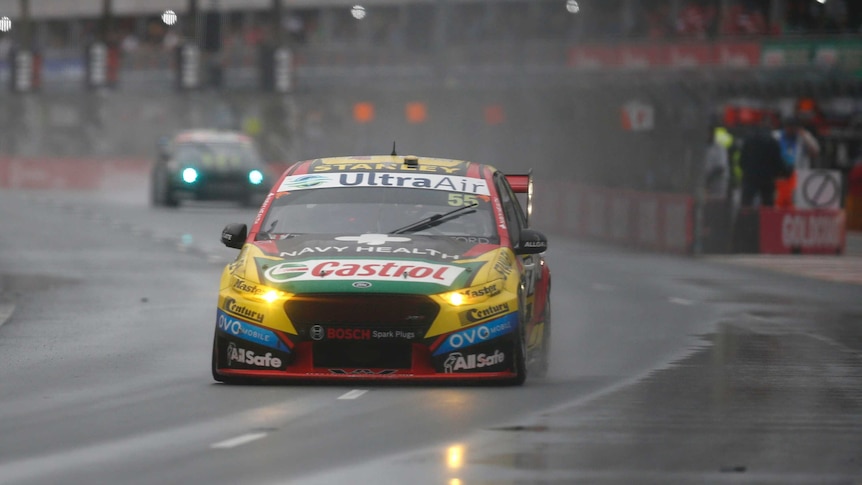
[435,219]
[267,233]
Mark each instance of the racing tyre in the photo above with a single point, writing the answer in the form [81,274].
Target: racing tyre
[543,361]
[520,351]
[218,377]
[160,195]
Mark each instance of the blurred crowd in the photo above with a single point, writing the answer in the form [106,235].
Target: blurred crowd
[143,38]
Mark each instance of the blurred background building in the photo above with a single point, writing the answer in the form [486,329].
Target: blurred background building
[611,92]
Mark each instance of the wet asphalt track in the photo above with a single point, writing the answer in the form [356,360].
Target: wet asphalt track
[665,370]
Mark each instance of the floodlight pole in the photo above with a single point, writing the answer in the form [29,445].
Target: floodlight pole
[106,22]
[26,37]
[278,36]
[191,24]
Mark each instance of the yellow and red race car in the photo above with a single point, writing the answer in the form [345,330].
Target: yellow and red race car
[386,267]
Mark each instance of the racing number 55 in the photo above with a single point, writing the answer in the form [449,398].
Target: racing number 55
[460,200]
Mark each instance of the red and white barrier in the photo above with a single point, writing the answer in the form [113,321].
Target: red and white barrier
[654,221]
[71,173]
[789,231]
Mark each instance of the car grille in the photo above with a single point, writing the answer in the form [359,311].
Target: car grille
[367,355]
[366,311]
[384,313]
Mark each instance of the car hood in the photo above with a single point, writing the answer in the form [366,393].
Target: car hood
[375,263]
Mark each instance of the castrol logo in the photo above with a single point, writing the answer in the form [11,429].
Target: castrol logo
[364,269]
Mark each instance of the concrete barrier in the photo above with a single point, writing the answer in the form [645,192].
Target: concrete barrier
[72,173]
[645,220]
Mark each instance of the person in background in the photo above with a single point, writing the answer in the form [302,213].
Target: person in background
[762,164]
[713,216]
[798,149]
[716,168]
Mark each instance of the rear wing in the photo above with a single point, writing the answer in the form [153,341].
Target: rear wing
[522,183]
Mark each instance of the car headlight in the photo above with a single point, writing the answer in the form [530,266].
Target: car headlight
[190,175]
[255,177]
[474,294]
[256,291]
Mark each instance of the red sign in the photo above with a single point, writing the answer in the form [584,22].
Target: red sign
[645,55]
[594,57]
[72,173]
[788,231]
[742,55]
[692,55]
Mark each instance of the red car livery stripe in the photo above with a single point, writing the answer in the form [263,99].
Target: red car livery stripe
[300,168]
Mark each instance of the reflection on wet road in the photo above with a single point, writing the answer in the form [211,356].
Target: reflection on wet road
[664,370]
[773,396]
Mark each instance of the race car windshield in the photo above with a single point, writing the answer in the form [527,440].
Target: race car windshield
[361,210]
[217,155]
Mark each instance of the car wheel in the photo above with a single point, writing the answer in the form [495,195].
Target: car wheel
[543,362]
[520,350]
[160,192]
[218,377]
[156,191]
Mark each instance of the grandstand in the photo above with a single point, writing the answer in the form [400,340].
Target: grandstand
[516,59]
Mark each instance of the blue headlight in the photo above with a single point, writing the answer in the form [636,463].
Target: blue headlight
[190,175]
[255,177]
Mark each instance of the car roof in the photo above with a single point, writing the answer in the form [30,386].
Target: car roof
[393,163]
[211,136]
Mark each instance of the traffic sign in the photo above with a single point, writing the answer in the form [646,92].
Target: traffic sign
[818,189]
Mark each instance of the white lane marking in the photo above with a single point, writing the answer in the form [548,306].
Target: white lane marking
[603,287]
[680,301]
[238,441]
[353,394]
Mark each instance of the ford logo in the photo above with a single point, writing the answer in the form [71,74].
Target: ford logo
[362,284]
[316,332]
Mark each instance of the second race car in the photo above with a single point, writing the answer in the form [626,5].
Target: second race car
[208,165]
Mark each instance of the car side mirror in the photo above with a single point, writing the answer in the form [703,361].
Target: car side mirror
[233,235]
[532,242]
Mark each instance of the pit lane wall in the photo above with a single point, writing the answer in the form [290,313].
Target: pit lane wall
[665,222]
[645,220]
[652,221]
[72,173]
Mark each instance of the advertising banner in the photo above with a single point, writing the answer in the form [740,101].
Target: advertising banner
[691,55]
[651,221]
[801,231]
[72,174]
[787,54]
[845,55]
[594,57]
